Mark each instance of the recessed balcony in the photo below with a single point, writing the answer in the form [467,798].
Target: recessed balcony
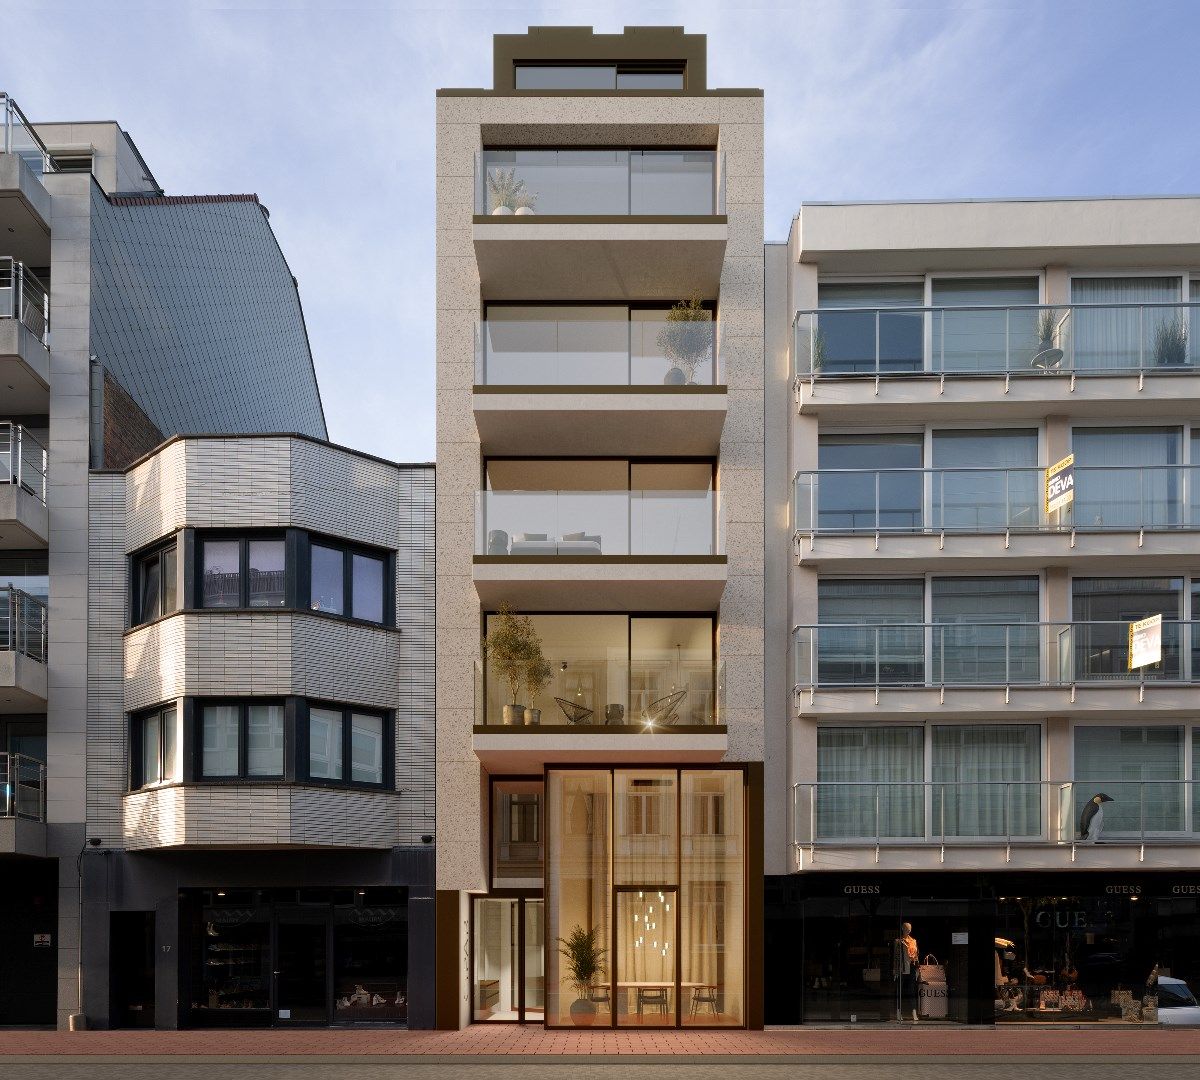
[582,224]
[598,379]
[990,668]
[24,337]
[1093,359]
[978,515]
[23,515]
[23,625]
[24,202]
[22,805]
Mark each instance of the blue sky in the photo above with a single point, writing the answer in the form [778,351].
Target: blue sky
[326,111]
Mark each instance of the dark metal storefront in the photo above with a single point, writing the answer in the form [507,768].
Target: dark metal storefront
[28,941]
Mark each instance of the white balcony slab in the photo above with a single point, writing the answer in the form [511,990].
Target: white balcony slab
[25,367]
[22,683]
[526,749]
[24,521]
[22,836]
[24,211]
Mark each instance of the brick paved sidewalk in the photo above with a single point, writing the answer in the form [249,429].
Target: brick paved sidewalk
[1113,1043]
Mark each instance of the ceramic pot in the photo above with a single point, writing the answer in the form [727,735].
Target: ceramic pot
[583,1012]
[614,714]
[513,714]
[501,211]
[675,377]
[523,211]
[532,717]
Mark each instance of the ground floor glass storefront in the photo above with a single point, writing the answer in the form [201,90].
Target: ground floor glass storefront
[1005,948]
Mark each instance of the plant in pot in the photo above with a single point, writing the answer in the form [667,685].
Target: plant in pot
[686,339]
[818,351]
[508,193]
[585,961]
[1046,354]
[507,648]
[1170,344]
[537,676]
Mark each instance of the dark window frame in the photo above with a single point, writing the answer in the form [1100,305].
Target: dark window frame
[137,736]
[243,538]
[347,711]
[348,549]
[194,753]
[159,551]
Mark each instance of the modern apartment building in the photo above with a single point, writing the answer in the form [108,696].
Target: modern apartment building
[601,455]
[216,643]
[977,768]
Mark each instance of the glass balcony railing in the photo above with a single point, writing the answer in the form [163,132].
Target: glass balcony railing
[24,297]
[990,812]
[614,352]
[22,787]
[651,694]
[897,655]
[23,623]
[597,523]
[17,136]
[980,500]
[1094,339]
[22,460]
[600,183]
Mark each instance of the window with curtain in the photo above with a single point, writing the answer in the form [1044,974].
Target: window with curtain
[156,734]
[868,498]
[871,632]
[985,630]
[870,782]
[985,780]
[996,330]
[241,740]
[1102,609]
[1128,477]
[1135,326]
[871,336]
[1140,769]
[986,480]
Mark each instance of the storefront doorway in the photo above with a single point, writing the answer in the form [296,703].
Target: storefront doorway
[302,972]
[509,978]
[646,956]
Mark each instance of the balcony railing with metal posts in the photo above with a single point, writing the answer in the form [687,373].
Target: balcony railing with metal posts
[991,813]
[573,182]
[596,352]
[24,298]
[994,500]
[1063,339]
[23,624]
[22,460]
[650,695]
[22,787]
[1013,654]
[17,136]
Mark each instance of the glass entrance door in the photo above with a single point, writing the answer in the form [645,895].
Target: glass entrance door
[508,943]
[302,968]
[533,952]
[646,961]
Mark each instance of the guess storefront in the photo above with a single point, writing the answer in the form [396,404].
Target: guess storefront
[966,948]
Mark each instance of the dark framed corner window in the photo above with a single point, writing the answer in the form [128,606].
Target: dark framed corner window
[243,572]
[154,748]
[347,745]
[155,584]
[350,581]
[240,740]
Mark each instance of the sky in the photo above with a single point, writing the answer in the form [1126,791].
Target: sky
[326,111]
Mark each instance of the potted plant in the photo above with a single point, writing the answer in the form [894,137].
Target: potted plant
[1045,354]
[686,339]
[508,194]
[818,351]
[537,676]
[585,960]
[508,648]
[1170,345]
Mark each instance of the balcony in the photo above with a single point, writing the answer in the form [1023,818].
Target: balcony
[990,667]
[24,202]
[22,805]
[1098,359]
[978,824]
[600,550]
[615,385]
[23,515]
[23,626]
[616,223]
[24,338]
[606,707]
[1151,512]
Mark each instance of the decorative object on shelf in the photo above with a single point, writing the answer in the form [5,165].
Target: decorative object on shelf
[536,677]
[661,712]
[585,961]
[686,339]
[508,193]
[508,648]
[1051,999]
[614,713]
[1091,821]
[574,712]
[1073,1000]
[1170,343]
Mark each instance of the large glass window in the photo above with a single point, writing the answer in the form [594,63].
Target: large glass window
[156,734]
[873,338]
[1103,608]
[1128,477]
[340,734]
[328,579]
[265,573]
[324,743]
[366,748]
[871,631]
[884,490]
[26,570]
[1132,325]
[366,587]
[597,77]
[1138,770]
[986,780]
[239,572]
[155,583]
[264,740]
[221,580]
[870,782]
[986,480]
[996,330]
[219,741]
[240,739]
[517,834]
[348,581]
[985,630]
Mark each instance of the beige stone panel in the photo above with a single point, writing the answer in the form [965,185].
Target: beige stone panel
[741,358]
[576,112]
[458,467]
[742,142]
[455,418]
[743,192]
[458,603]
[460,866]
[742,501]
[745,637]
[744,424]
[741,109]
[741,454]
[455,201]
[742,282]
[744,546]
[741,321]
[744,685]
[745,232]
[453,237]
[456,147]
[457,282]
[457,510]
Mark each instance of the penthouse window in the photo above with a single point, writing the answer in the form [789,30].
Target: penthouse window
[625,76]
[243,572]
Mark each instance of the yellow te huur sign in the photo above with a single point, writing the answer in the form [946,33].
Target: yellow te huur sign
[1060,484]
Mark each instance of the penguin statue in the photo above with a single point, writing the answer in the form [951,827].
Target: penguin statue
[1091,821]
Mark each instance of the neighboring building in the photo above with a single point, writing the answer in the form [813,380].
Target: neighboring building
[601,471]
[960,656]
[215,652]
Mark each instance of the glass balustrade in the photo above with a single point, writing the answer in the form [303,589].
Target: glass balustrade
[17,136]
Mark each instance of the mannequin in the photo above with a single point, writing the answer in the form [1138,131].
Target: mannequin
[905,960]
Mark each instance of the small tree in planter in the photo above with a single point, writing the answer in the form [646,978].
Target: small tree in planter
[508,193]
[537,676]
[1170,344]
[585,960]
[686,339]
[508,648]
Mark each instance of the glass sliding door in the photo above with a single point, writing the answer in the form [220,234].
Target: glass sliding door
[1103,608]
[508,980]
[986,480]
[870,783]
[988,335]
[1137,313]
[647,956]
[985,630]
[867,499]
[302,967]
[986,780]
[1128,478]
[871,632]
[861,336]
[533,951]
[1140,769]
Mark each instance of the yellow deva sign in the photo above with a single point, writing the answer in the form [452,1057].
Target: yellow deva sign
[1060,484]
[1145,642]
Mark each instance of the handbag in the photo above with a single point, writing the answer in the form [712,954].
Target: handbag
[930,971]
